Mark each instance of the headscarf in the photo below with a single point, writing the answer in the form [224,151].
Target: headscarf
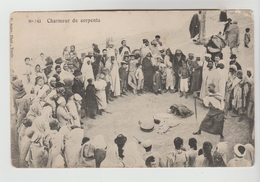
[99,142]
[34,111]
[199,62]
[96,49]
[36,70]
[68,82]
[250,153]
[40,125]
[18,89]
[64,130]
[46,113]
[250,79]
[132,156]
[112,159]
[29,132]
[218,160]
[38,138]
[87,151]
[49,81]
[222,149]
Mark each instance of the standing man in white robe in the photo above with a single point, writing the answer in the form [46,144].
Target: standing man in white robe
[209,76]
[100,85]
[115,80]
[87,71]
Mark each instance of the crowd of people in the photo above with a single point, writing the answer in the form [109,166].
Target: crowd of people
[51,99]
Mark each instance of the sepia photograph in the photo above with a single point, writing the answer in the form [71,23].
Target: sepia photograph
[132,89]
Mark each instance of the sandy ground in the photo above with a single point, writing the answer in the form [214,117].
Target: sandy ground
[127,111]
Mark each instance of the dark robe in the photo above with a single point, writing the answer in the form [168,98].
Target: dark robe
[196,78]
[237,65]
[91,99]
[122,47]
[95,64]
[100,155]
[157,82]
[176,65]
[148,74]
[78,88]
[96,49]
[213,122]
[226,27]
[194,26]
[223,16]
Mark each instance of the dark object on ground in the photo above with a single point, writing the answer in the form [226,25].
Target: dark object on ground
[181,111]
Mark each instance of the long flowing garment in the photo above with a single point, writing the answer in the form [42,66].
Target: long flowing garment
[112,159]
[72,109]
[223,16]
[91,99]
[170,78]
[73,146]
[100,149]
[251,104]
[115,81]
[232,36]
[54,140]
[196,76]
[214,120]
[209,76]
[148,74]
[194,26]
[86,156]
[228,93]
[23,149]
[157,82]
[87,71]
[100,86]
[144,51]
[23,106]
[37,157]
[132,156]
[221,81]
[237,101]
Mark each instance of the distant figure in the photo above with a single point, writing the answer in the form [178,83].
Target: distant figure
[92,105]
[229,22]
[247,37]
[232,36]
[194,26]
[223,16]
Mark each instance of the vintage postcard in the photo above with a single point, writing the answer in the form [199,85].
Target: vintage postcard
[132,89]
